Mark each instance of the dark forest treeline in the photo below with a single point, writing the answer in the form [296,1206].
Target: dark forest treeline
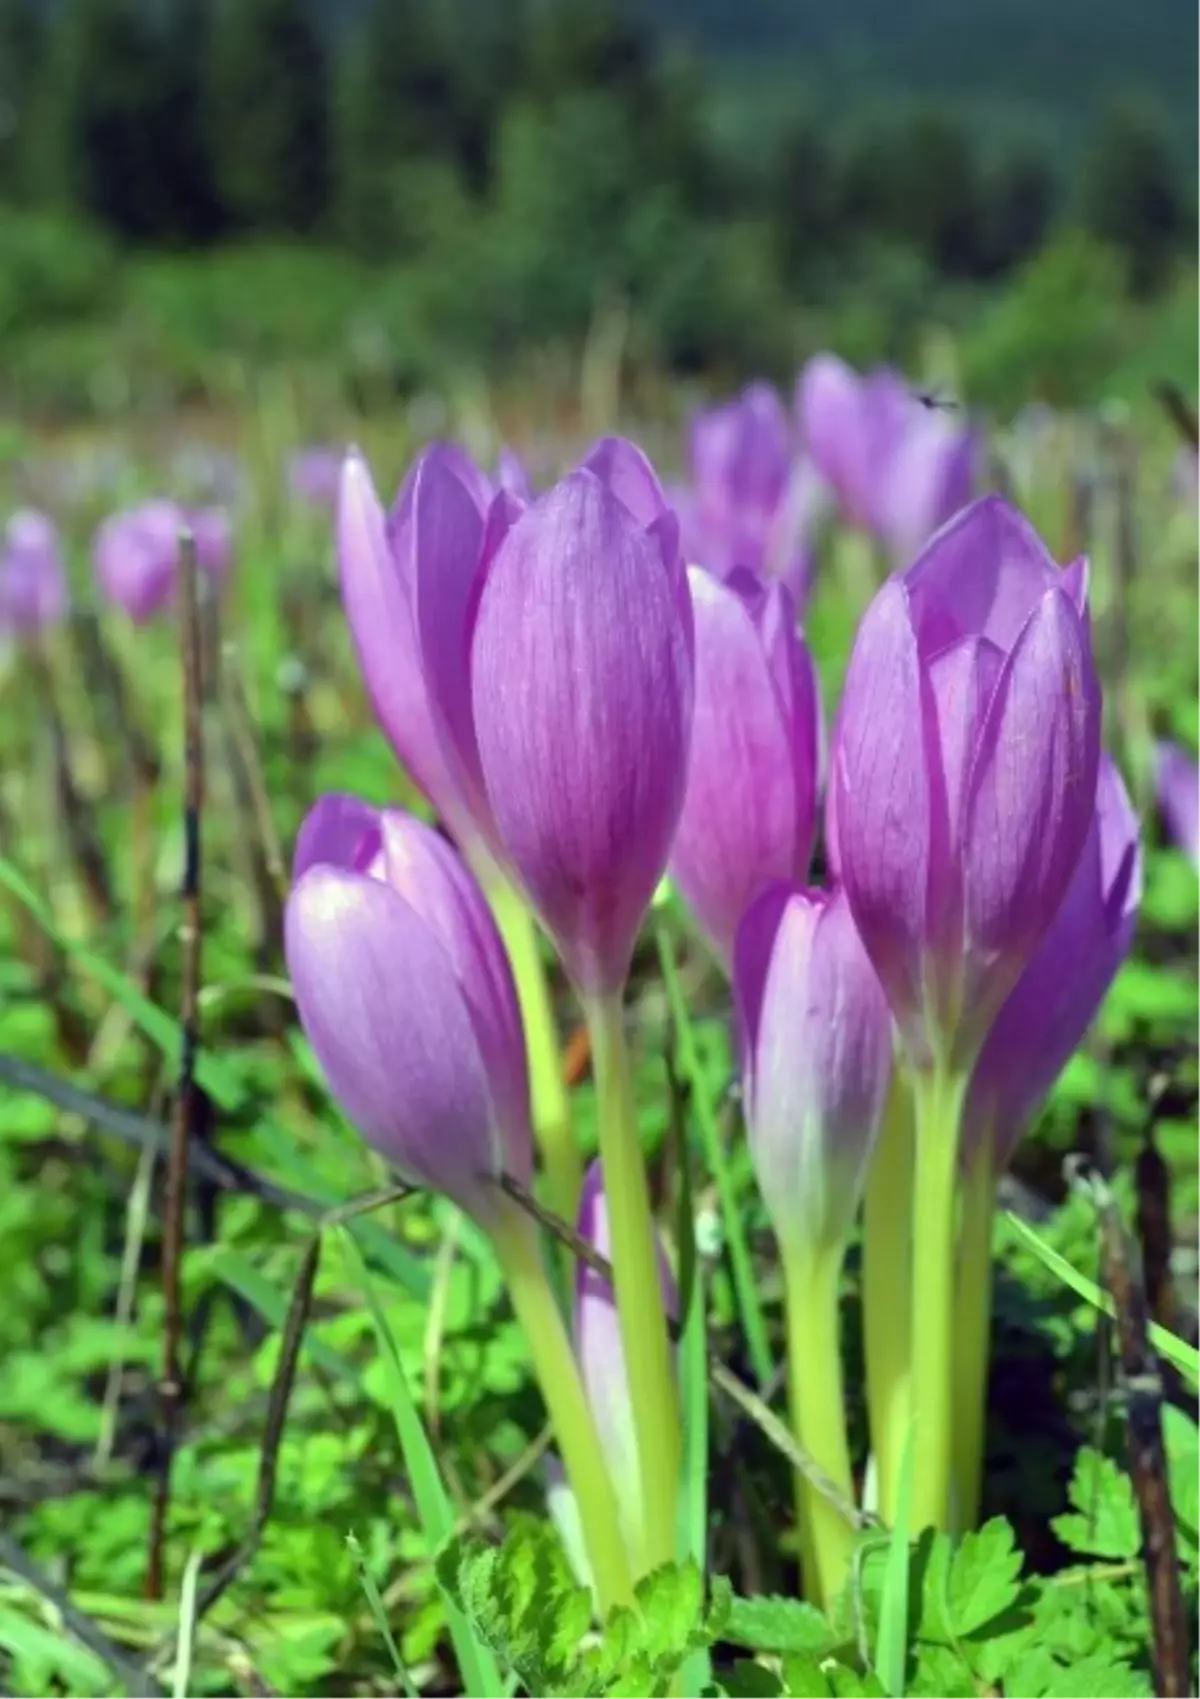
[472,176]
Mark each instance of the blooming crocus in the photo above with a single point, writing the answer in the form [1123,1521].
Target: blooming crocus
[898,467]
[601,1355]
[512,476]
[816,1057]
[136,553]
[314,474]
[751,502]
[1177,782]
[33,580]
[557,645]
[750,803]
[963,774]
[406,996]
[1054,1001]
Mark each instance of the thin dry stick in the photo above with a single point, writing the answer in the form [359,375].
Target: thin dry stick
[722,1379]
[187,1105]
[1147,1456]
[1179,410]
[282,1385]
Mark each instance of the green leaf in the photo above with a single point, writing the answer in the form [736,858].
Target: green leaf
[1182,1442]
[43,1654]
[476,1665]
[891,1639]
[770,1623]
[1105,1520]
[983,1580]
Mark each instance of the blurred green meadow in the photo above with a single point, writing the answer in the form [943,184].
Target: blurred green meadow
[232,230]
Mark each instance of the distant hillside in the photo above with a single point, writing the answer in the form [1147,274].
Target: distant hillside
[1052,65]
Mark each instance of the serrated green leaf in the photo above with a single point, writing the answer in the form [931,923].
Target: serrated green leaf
[983,1579]
[1105,1520]
[769,1623]
[671,1602]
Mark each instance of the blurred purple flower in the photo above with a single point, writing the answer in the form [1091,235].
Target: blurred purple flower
[135,554]
[405,993]
[963,773]
[1177,783]
[314,474]
[33,579]
[898,468]
[751,502]
[1056,998]
[749,809]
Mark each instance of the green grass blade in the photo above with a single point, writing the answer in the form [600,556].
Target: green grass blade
[891,1644]
[379,1616]
[745,1288]
[225,1089]
[476,1664]
[1185,1357]
[696,1672]
[181,1679]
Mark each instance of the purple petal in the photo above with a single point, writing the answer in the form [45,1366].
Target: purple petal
[136,557]
[581,693]
[1057,996]
[982,575]
[1178,786]
[451,539]
[829,405]
[749,807]
[928,478]
[818,1061]
[388,1022]
[430,875]
[885,752]
[1033,792]
[33,580]
[627,474]
[338,831]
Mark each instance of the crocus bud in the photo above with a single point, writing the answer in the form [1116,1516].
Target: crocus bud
[439,517]
[964,771]
[1056,998]
[1178,787]
[136,553]
[561,673]
[750,803]
[816,1045]
[33,580]
[601,1356]
[898,467]
[406,996]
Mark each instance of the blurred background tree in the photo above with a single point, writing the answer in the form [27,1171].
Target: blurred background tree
[745,179]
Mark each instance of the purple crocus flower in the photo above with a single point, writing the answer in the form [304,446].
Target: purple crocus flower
[816,1043]
[557,654]
[601,1355]
[751,503]
[135,554]
[314,474]
[512,476]
[406,996]
[750,805]
[898,468]
[963,774]
[1178,788]
[1056,998]
[33,579]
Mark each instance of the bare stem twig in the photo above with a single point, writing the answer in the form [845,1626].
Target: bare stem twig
[187,1104]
